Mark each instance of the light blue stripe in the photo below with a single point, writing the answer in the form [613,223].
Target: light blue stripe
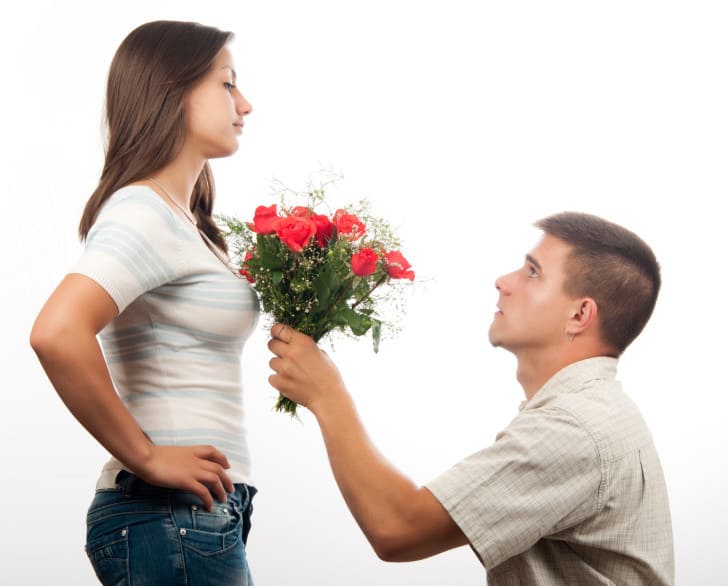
[175,339]
[138,248]
[233,454]
[193,432]
[147,200]
[203,293]
[195,332]
[234,398]
[167,327]
[110,249]
[216,281]
[226,447]
[161,351]
[229,305]
[231,447]
[134,252]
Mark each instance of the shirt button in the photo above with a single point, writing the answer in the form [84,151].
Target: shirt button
[194,507]
[123,532]
[183,531]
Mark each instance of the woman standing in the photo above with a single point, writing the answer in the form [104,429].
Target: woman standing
[173,504]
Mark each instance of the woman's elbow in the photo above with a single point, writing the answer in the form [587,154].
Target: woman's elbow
[39,338]
[46,336]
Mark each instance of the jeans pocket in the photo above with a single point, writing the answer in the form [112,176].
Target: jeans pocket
[210,543]
[222,518]
[109,556]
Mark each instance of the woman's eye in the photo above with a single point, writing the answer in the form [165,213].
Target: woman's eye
[532,273]
[229,86]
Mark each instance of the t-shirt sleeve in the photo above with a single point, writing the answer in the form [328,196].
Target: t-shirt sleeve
[540,476]
[133,247]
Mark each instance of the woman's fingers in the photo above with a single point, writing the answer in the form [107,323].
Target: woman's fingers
[196,469]
[213,454]
[221,476]
[201,492]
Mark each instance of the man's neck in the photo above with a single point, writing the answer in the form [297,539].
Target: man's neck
[535,369]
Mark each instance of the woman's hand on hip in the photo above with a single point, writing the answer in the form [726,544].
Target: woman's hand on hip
[196,469]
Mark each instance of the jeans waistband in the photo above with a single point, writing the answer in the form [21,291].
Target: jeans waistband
[133,486]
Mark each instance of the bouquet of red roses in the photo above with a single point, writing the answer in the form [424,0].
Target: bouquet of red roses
[317,272]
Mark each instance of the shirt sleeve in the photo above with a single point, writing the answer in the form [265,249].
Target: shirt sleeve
[133,247]
[540,476]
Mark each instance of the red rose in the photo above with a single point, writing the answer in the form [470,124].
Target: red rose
[264,220]
[397,266]
[244,271]
[301,212]
[295,232]
[246,274]
[348,225]
[364,262]
[324,229]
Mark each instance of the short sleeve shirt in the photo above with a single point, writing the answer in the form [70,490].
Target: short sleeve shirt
[571,492]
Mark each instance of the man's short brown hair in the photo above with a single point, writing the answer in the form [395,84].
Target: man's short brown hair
[613,266]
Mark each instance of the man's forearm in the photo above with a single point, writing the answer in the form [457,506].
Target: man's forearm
[402,521]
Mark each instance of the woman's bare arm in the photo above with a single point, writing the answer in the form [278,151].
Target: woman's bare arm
[64,338]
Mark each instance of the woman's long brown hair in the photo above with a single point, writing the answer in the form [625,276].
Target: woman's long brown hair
[149,76]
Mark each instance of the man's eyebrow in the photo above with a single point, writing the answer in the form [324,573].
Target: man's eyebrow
[534,262]
[235,75]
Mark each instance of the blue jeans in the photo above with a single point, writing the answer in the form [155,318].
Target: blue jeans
[141,534]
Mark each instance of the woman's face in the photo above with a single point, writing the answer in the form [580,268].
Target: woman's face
[214,111]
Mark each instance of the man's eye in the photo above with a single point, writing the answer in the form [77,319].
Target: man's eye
[229,86]
[532,273]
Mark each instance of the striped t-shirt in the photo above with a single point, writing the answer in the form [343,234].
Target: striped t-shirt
[173,351]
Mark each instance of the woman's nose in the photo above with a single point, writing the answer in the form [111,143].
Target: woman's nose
[243,106]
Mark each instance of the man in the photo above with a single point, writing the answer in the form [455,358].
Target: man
[572,491]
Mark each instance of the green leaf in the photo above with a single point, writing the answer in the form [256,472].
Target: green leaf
[325,285]
[269,252]
[376,333]
[358,323]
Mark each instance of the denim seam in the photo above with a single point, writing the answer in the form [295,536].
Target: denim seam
[179,538]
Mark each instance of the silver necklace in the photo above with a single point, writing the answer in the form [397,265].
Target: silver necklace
[210,244]
[174,201]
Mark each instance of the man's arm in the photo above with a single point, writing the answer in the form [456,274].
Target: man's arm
[403,522]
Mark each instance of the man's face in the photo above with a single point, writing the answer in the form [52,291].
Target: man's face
[533,309]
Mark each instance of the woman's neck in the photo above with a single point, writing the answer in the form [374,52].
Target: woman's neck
[179,178]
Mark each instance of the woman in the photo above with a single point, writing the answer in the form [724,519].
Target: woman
[173,504]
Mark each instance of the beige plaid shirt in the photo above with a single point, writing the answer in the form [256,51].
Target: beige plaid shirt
[571,492]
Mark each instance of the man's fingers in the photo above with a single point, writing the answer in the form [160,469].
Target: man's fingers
[278,365]
[277,347]
[282,332]
[278,383]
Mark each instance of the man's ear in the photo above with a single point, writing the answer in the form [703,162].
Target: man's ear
[583,316]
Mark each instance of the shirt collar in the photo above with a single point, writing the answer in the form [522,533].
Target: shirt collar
[572,378]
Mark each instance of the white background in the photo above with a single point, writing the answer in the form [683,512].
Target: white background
[463,122]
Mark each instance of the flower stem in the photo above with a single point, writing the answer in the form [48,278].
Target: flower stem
[369,294]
